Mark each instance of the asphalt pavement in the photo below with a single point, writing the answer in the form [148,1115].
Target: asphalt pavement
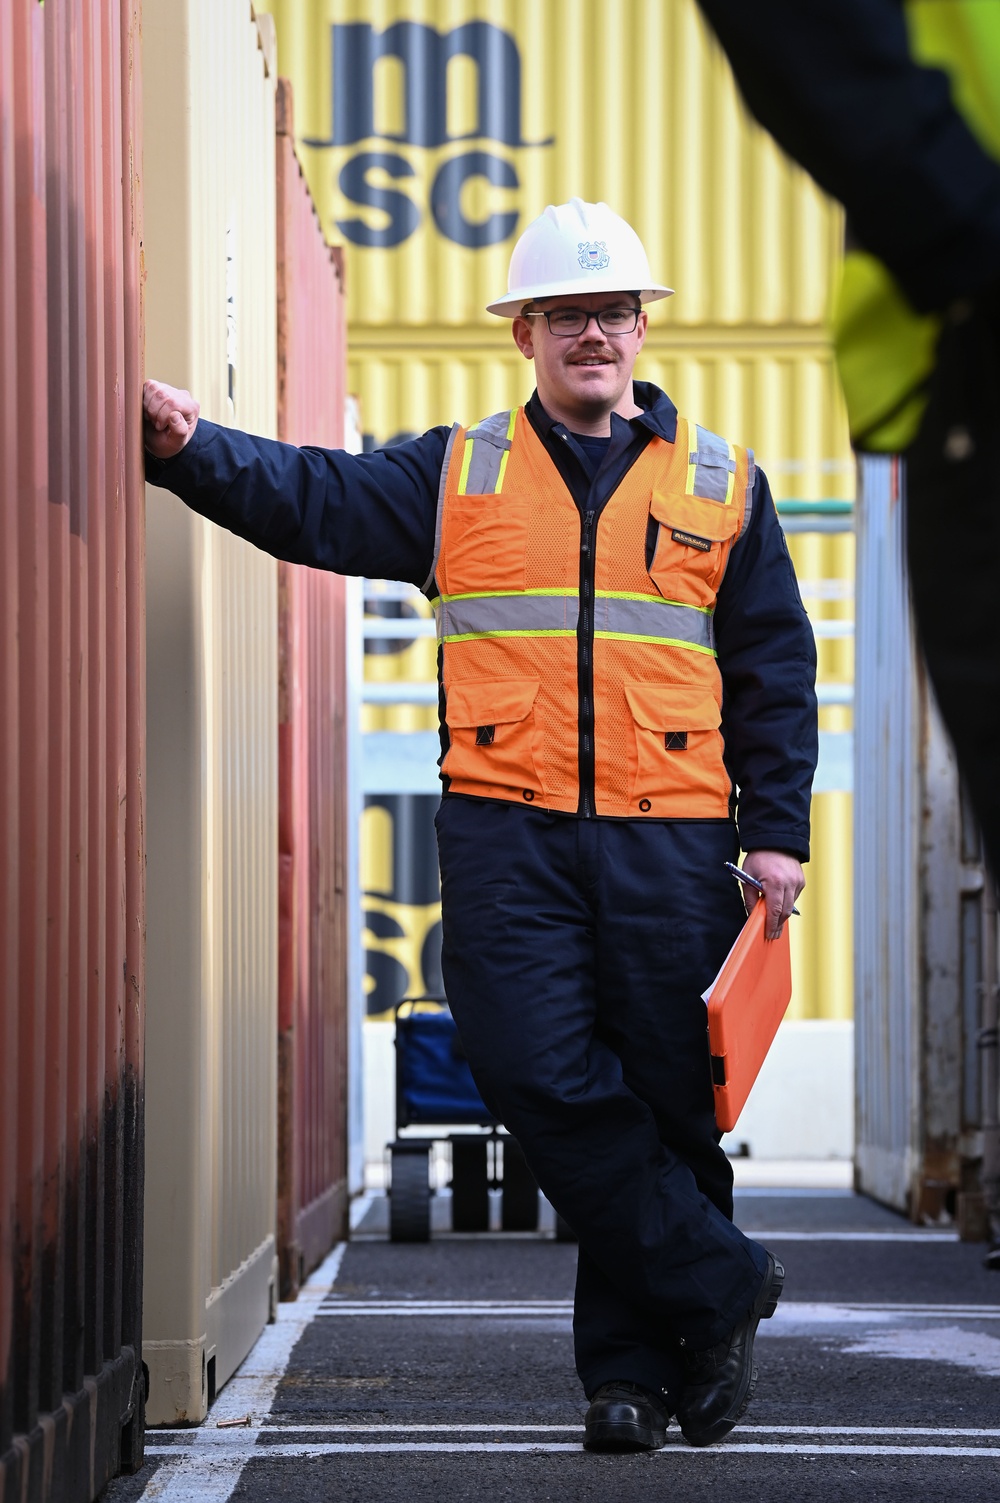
[444,1371]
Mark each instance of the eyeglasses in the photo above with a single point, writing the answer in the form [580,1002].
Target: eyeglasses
[568,322]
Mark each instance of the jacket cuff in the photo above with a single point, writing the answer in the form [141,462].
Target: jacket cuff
[162,471]
[778,840]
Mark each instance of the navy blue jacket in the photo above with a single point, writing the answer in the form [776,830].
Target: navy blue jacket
[374,515]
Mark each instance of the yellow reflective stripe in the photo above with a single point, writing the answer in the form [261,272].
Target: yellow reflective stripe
[621,636]
[731,486]
[502,594]
[562,594]
[478,636]
[466,461]
[706,610]
[606,636]
[692,463]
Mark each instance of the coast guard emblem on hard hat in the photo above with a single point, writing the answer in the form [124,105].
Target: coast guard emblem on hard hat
[593,255]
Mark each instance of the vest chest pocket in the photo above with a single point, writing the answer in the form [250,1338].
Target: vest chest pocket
[484,544]
[693,540]
[677,753]
[493,735]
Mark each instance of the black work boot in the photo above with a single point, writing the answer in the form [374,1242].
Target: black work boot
[625,1417]
[721,1380]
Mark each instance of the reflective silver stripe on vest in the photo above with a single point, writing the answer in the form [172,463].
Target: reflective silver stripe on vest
[661,619]
[429,585]
[748,506]
[502,615]
[489,444]
[712,465]
[479,615]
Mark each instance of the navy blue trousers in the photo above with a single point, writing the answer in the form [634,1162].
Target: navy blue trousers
[575,954]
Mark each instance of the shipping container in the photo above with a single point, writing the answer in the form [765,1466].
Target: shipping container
[72,738]
[211,1265]
[925,919]
[432,132]
[313,885]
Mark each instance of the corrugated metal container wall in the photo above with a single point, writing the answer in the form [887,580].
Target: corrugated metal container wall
[211,1269]
[312,756]
[484,111]
[71,750]
[432,131]
[921,905]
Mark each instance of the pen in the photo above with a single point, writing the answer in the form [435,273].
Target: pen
[745,877]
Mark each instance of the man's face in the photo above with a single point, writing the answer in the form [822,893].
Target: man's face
[586,373]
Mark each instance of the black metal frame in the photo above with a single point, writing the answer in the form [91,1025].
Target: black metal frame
[481,1161]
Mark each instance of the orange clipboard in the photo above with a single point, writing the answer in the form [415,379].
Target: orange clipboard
[746,1002]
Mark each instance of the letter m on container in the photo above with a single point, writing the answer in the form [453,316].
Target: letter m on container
[415,79]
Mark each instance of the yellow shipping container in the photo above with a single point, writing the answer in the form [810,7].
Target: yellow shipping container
[433,131]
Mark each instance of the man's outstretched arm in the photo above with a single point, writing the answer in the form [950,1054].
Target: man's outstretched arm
[354,513]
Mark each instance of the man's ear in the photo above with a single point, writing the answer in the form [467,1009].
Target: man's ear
[523,337]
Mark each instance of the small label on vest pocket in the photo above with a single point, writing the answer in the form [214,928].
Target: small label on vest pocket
[485,735]
[675,740]
[690,540]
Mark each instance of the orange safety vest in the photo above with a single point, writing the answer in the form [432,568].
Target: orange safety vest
[576,678]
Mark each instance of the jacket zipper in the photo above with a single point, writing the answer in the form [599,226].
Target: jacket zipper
[585,663]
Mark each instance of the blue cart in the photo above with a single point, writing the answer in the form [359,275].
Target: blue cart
[434,1087]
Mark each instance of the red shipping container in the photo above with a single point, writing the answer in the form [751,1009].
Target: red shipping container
[312,756]
[72,727]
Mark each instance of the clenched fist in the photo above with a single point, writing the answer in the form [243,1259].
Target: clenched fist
[169,418]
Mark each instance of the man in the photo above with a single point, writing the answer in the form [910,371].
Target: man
[611,583]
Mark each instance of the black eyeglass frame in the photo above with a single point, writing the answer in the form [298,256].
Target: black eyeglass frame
[549,313]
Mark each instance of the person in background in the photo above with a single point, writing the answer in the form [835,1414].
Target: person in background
[893,106]
[627,700]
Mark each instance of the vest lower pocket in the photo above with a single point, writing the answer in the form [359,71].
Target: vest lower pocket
[692,545]
[676,755]
[493,736]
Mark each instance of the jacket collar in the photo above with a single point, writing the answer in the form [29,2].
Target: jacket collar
[658,413]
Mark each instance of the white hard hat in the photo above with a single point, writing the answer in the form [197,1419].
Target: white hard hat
[576,248]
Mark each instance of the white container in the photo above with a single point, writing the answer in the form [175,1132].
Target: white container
[210,1273]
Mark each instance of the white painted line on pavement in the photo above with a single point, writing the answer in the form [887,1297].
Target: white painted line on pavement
[293,1452]
[966,1432]
[425,1429]
[562,1310]
[789,1313]
[209,1468]
[808,1313]
[901,1431]
[814,1430]
[946,1238]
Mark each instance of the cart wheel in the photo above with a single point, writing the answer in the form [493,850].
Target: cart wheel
[410,1195]
[519,1195]
[470,1200]
[564,1232]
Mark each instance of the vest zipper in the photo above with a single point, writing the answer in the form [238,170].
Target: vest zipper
[585,663]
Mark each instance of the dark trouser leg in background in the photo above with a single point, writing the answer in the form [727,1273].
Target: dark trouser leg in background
[574,955]
[953,544]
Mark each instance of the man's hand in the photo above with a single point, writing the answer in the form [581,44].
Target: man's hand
[783,880]
[169,418]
